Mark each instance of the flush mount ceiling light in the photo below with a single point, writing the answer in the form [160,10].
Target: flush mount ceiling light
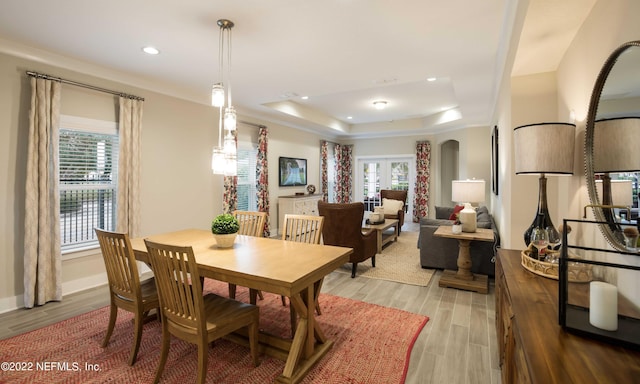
[224,157]
[380,104]
[150,50]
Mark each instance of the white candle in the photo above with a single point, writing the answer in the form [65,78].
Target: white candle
[603,303]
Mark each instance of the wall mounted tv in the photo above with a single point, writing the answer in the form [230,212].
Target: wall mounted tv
[292,171]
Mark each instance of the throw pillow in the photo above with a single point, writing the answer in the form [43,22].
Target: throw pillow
[456,210]
[483,214]
[443,212]
[391,207]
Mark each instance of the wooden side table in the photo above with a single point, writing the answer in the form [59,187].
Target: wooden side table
[463,278]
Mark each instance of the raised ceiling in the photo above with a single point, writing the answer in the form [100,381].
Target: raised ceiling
[342,54]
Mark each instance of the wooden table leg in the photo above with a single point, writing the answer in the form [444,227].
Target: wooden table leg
[464,260]
[463,278]
[309,344]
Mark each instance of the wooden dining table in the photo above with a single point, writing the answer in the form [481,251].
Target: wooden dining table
[291,269]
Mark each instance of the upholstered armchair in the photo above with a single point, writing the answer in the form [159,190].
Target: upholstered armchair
[343,227]
[392,213]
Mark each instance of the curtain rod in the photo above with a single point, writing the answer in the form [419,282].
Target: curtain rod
[252,124]
[77,84]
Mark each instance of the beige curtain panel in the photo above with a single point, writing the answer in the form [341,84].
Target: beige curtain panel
[130,128]
[42,255]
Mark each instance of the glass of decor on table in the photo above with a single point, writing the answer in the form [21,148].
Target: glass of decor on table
[553,240]
[539,239]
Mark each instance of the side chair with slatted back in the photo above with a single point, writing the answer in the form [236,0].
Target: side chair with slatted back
[126,291]
[302,229]
[189,315]
[251,224]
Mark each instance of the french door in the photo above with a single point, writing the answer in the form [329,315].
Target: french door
[374,174]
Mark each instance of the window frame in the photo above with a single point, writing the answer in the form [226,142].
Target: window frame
[253,148]
[92,126]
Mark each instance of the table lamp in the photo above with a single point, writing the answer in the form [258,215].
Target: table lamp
[616,149]
[542,149]
[467,192]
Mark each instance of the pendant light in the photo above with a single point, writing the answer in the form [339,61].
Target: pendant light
[224,156]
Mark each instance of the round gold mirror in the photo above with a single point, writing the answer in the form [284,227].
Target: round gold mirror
[612,146]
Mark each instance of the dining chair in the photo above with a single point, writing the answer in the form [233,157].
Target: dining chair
[302,229]
[189,315]
[251,224]
[126,291]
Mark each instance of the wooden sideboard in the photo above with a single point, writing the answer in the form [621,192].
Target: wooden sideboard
[533,348]
[297,205]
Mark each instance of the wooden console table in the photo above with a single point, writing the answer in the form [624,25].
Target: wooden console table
[463,278]
[533,348]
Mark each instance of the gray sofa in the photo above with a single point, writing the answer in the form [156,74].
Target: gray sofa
[442,253]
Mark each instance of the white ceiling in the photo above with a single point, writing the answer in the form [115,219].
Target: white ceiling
[342,54]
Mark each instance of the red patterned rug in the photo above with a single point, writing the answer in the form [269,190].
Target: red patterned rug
[372,345]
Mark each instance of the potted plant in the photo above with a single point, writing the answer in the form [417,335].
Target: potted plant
[225,228]
[457,225]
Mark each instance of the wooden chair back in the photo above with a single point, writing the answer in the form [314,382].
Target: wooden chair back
[251,223]
[179,285]
[126,291]
[120,263]
[302,228]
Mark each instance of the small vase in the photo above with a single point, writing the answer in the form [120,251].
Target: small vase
[456,229]
[226,240]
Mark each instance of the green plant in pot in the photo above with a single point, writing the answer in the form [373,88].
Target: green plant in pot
[225,228]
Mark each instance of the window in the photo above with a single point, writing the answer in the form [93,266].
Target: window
[88,180]
[247,199]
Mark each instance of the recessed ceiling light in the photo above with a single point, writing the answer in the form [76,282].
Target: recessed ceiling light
[150,50]
[305,97]
[431,79]
[349,117]
[380,104]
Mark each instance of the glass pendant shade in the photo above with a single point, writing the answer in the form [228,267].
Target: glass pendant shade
[230,118]
[218,161]
[217,95]
[229,145]
[231,165]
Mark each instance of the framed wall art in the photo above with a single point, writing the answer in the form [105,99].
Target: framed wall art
[494,160]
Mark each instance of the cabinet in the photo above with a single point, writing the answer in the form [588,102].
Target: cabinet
[532,346]
[297,205]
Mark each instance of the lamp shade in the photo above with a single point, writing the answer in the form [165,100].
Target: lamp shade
[544,148]
[616,145]
[621,192]
[467,191]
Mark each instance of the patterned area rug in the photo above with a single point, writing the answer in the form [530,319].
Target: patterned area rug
[399,262]
[365,351]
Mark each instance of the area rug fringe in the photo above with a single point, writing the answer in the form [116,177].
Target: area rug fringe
[372,345]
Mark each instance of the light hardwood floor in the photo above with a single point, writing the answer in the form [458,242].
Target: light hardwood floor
[458,344]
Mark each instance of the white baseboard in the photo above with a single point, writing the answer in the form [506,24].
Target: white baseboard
[9,304]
